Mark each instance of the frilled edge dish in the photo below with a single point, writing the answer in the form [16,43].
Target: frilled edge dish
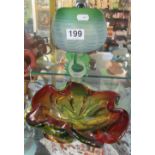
[78,112]
[29,61]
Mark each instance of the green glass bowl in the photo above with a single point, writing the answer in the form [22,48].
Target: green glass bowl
[69,21]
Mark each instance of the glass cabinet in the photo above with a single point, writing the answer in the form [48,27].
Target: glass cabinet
[109,68]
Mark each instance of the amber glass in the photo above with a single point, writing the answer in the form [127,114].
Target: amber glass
[77,112]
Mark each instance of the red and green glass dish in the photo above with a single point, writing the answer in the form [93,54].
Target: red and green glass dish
[78,112]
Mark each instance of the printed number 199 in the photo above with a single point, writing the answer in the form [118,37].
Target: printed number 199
[75,34]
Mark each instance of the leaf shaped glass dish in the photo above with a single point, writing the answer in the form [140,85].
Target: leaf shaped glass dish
[78,112]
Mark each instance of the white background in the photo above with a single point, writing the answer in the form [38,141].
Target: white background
[12,83]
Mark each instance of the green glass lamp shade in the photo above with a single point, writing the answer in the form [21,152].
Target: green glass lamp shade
[79,29]
[78,112]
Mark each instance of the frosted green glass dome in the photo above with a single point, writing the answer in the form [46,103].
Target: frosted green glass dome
[79,29]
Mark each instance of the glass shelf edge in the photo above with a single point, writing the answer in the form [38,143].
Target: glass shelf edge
[86,76]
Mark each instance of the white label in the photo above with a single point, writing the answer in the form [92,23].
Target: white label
[82,17]
[75,34]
